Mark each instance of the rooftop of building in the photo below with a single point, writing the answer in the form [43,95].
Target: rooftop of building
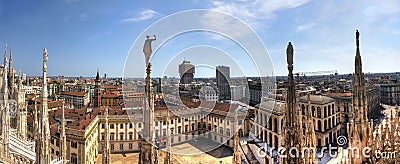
[337,95]
[81,117]
[317,99]
[275,106]
[77,94]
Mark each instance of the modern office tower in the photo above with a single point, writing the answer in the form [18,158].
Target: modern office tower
[186,72]
[223,78]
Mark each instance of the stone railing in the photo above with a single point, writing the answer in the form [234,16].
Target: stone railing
[21,147]
[58,160]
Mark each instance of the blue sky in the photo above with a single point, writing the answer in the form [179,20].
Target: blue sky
[83,35]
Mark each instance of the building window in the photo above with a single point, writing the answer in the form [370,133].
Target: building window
[156,123]
[140,125]
[121,146]
[172,121]
[313,111]
[112,136]
[103,126]
[52,151]
[112,146]
[130,126]
[121,136]
[111,126]
[74,144]
[74,159]
[121,126]
[130,136]
[52,141]
[179,120]
[130,145]
[319,112]
[164,123]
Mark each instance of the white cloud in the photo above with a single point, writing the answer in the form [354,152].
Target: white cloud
[305,27]
[251,10]
[142,15]
[94,37]
[219,22]
[375,10]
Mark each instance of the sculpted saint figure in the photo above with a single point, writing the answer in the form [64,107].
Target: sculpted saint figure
[45,58]
[357,38]
[289,53]
[147,48]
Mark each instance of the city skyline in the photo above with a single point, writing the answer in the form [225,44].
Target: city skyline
[82,36]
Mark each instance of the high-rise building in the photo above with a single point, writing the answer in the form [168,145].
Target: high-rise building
[238,93]
[186,72]
[223,78]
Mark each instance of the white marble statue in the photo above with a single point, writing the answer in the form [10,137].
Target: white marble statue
[147,48]
[45,58]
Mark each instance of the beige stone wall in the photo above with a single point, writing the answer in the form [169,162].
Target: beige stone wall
[326,119]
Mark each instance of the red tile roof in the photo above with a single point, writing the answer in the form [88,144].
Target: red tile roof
[79,94]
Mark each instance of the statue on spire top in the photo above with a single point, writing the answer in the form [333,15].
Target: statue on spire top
[357,38]
[147,48]
[289,53]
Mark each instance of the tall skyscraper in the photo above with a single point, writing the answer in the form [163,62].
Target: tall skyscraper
[186,72]
[223,77]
